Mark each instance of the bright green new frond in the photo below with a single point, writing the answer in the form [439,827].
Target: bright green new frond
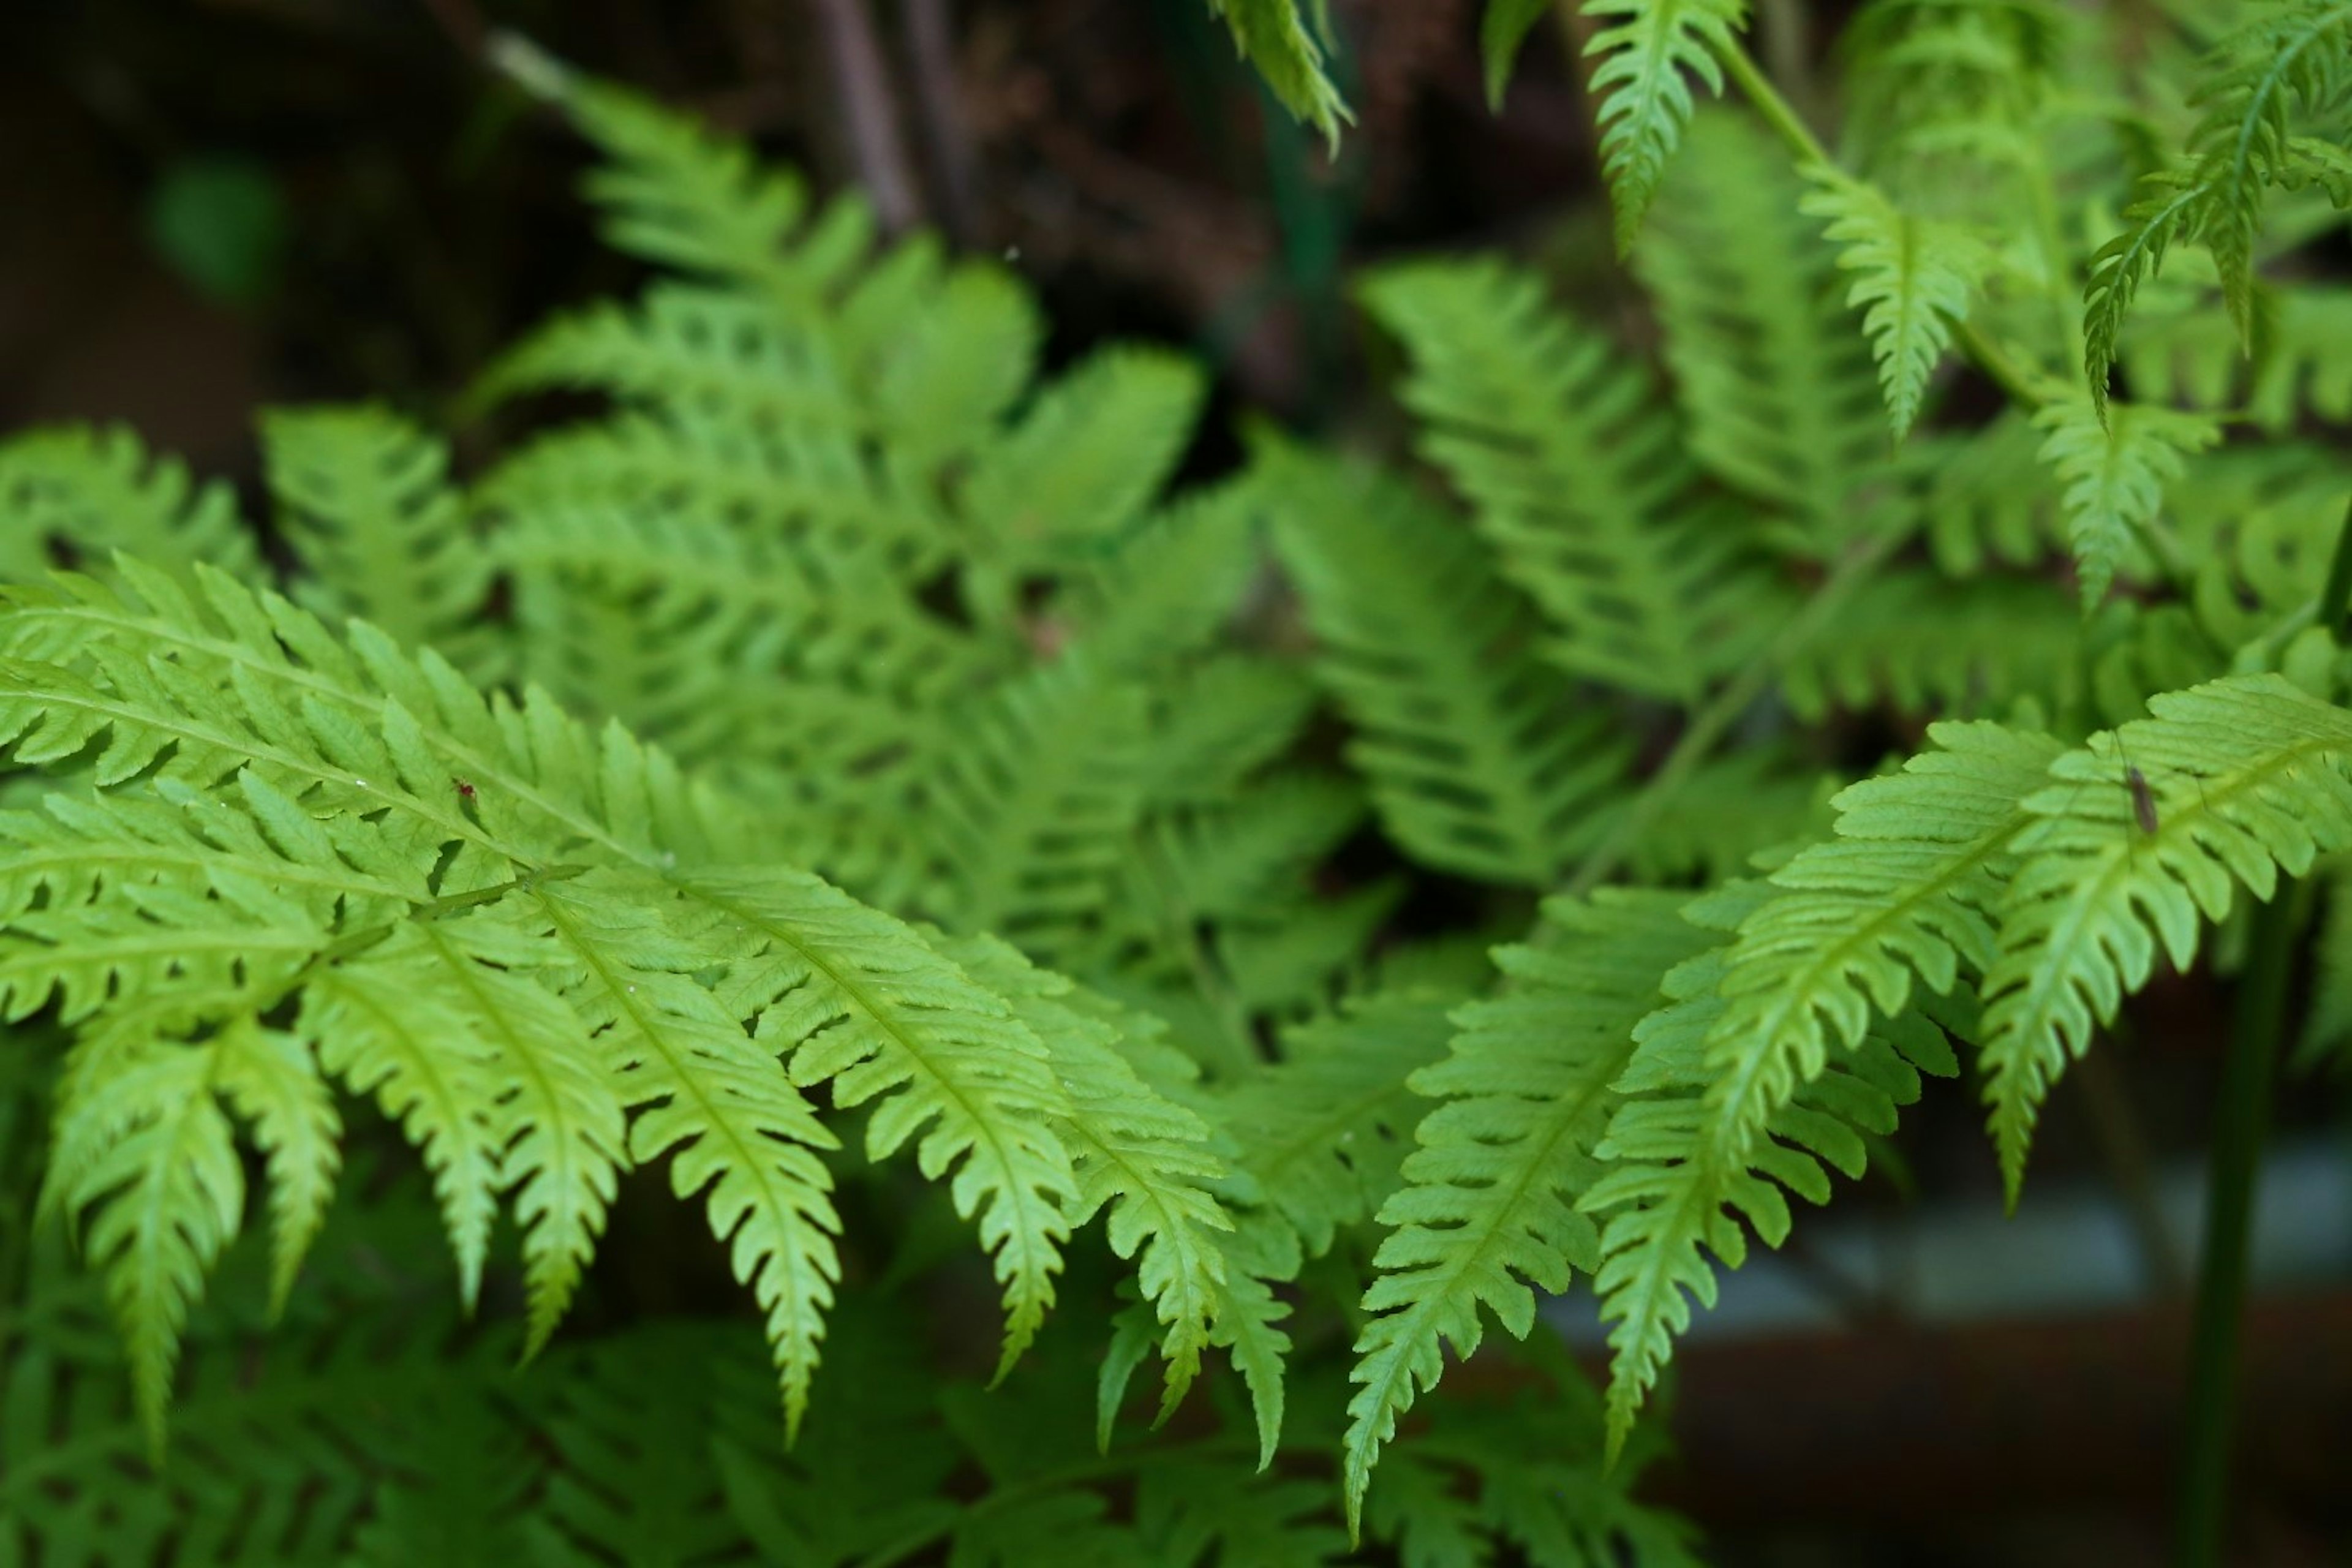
[2290,57]
[1034,812]
[1075,471]
[87,493]
[1920,643]
[154,1172]
[738,1132]
[2114,463]
[679,196]
[689,352]
[1647,50]
[364,497]
[270,1077]
[1774,382]
[861,1002]
[1273,37]
[1575,473]
[1137,1153]
[1474,758]
[1324,1133]
[1906,888]
[1672,1186]
[1914,278]
[2243,778]
[1489,1208]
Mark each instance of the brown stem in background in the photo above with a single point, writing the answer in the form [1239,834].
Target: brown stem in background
[871,112]
[939,108]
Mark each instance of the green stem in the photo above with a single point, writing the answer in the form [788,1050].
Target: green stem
[1989,357]
[1724,708]
[2336,597]
[2242,1117]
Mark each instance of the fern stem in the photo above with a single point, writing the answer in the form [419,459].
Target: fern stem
[1708,725]
[2015,383]
[2242,1117]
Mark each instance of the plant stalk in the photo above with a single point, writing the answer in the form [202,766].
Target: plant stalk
[2242,1118]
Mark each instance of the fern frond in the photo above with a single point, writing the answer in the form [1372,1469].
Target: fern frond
[1488,1206]
[864,1004]
[2246,779]
[1906,888]
[1574,473]
[1145,1158]
[1776,385]
[1273,37]
[1170,584]
[1184,1511]
[1985,498]
[270,1077]
[2114,463]
[1077,469]
[677,195]
[1501,31]
[152,1163]
[1324,1133]
[93,492]
[364,497]
[1475,759]
[2294,56]
[1033,814]
[1920,643]
[689,353]
[1647,50]
[1914,280]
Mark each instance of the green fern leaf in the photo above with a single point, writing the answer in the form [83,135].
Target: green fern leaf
[1324,1133]
[364,497]
[1501,31]
[151,1160]
[1777,388]
[1476,761]
[2115,465]
[1575,476]
[95,492]
[1906,888]
[1914,280]
[865,1005]
[1275,38]
[1645,102]
[270,1077]
[1488,1205]
[2245,778]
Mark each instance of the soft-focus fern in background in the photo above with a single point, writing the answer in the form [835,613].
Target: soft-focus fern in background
[1288,922]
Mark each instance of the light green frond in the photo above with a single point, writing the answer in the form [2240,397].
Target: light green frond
[1251,857]
[1648,50]
[1920,643]
[1170,585]
[364,497]
[938,349]
[1576,475]
[1914,279]
[1186,1510]
[1776,385]
[860,1002]
[1475,759]
[1324,1133]
[1489,1208]
[1075,471]
[2287,58]
[270,1077]
[1146,1159]
[677,195]
[93,492]
[740,1135]
[1273,37]
[2244,778]
[1985,501]
[1501,31]
[2114,464]
[689,353]
[1034,811]
[1220,723]
[157,1185]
